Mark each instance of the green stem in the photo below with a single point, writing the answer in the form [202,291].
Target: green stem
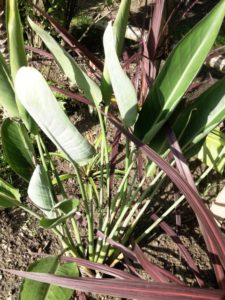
[170,209]
[88,215]
[60,185]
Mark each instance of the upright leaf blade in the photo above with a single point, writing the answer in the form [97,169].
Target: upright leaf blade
[42,291]
[192,124]
[9,196]
[179,70]
[69,66]
[17,148]
[119,29]
[7,96]
[122,86]
[40,191]
[36,96]
[17,52]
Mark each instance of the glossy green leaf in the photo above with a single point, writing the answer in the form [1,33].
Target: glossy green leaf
[69,66]
[17,148]
[69,209]
[42,291]
[9,196]
[17,53]
[191,125]
[40,191]
[36,96]
[7,96]
[122,86]
[119,29]
[178,72]
[67,205]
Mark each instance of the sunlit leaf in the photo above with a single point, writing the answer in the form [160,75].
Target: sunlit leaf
[122,86]
[212,152]
[36,96]
[178,72]
[40,192]
[69,66]
[191,125]
[17,53]
[119,29]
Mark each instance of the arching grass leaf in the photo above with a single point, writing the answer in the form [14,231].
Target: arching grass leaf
[36,96]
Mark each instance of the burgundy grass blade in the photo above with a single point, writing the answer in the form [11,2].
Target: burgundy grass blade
[184,252]
[71,95]
[180,160]
[192,197]
[132,256]
[149,69]
[40,52]
[126,252]
[186,173]
[128,289]
[148,266]
[217,267]
[99,267]
[70,40]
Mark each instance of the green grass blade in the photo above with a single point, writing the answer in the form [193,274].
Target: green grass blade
[17,148]
[69,66]
[41,291]
[123,88]
[178,72]
[119,29]
[38,99]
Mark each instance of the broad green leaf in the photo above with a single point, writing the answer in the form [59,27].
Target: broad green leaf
[9,196]
[17,148]
[7,96]
[67,205]
[69,66]
[69,208]
[17,52]
[122,86]
[42,291]
[36,96]
[191,125]
[40,191]
[212,152]
[178,72]
[119,29]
